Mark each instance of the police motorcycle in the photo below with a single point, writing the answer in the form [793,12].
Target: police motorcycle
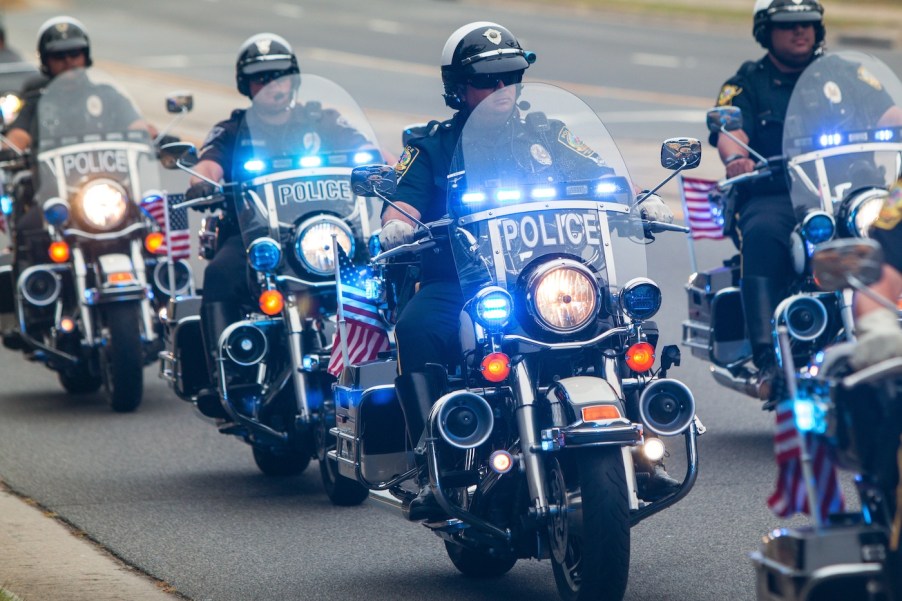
[849,555]
[529,445]
[290,200]
[85,290]
[839,162]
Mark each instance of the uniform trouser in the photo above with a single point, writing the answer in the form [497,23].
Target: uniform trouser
[225,290]
[765,224]
[32,240]
[428,330]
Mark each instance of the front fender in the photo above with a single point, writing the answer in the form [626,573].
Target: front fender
[117,279]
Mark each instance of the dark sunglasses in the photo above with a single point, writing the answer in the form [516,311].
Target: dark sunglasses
[265,77]
[490,81]
[790,26]
[66,54]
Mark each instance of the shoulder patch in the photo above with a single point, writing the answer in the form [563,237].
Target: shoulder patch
[891,213]
[217,131]
[727,94]
[868,78]
[406,160]
[572,141]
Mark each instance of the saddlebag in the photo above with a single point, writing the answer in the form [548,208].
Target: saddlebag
[715,330]
[370,427]
[835,562]
[185,361]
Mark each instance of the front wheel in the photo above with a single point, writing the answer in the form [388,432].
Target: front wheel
[124,356]
[590,535]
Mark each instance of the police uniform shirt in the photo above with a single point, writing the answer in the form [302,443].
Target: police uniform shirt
[324,132]
[85,109]
[762,92]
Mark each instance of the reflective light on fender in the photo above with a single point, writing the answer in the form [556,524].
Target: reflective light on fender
[59,252]
[496,367]
[120,277]
[501,462]
[271,302]
[66,325]
[653,448]
[640,357]
[153,242]
[597,413]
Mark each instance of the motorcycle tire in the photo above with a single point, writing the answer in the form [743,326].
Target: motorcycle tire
[600,541]
[282,462]
[80,382]
[476,564]
[124,356]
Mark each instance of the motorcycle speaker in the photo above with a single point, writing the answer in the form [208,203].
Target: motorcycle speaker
[463,419]
[40,286]
[805,317]
[666,407]
[245,344]
[183,276]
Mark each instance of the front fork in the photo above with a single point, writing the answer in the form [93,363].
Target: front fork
[530,443]
[294,329]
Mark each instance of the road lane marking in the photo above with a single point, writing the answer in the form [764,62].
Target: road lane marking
[288,10]
[383,26]
[656,60]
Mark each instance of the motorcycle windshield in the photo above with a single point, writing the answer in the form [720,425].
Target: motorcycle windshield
[92,148]
[537,177]
[842,134]
[294,154]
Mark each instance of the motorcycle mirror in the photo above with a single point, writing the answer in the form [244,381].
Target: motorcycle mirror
[727,117]
[374,180]
[681,153]
[179,102]
[847,263]
[178,152]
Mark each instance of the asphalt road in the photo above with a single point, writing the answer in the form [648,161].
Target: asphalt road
[163,490]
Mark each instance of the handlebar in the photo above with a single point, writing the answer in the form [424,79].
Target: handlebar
[655,227]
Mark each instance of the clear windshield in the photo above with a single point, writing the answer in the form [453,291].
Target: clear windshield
[537,176]
[843,130]
[295,152]
[88,130]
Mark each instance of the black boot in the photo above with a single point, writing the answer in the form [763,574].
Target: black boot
[215,317]
[416,393]
[652,478]
[760,297]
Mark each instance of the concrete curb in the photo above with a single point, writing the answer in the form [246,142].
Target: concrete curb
[43,557]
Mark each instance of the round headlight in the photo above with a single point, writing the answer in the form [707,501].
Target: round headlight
[864,208]
[264,254]
[818,227]
[640,298]
[493,307]
[103,204]
[313,245]
[563,296]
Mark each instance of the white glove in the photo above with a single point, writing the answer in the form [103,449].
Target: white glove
[395,233]
[879,338]
[654,209]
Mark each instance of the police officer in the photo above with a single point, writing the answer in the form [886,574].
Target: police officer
[478,59]
[267,72]
[792,31]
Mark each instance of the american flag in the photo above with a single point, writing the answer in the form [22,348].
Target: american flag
[790,495]
[366,334]
[179,235]
[703,222]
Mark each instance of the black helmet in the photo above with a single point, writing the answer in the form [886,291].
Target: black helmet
[60,34]
[787,11]
[264,52]
[476,48]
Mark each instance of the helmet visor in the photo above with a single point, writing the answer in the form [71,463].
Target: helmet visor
[495,61]
[274,62]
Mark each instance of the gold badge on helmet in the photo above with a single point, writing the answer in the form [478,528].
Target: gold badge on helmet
[727,94]
[62,27]
[263,46]
[493,35]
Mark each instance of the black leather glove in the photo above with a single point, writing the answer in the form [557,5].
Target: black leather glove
[8,154]
[200,190]
[168,139]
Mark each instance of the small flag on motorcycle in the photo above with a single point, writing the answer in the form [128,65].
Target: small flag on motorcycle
[361,333]
[157,205]
[790,495]
[701,214]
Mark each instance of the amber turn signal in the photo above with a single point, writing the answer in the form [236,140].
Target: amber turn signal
[59,252]
[640,357]
[153,242]
[271,302]
[496,367]
[597,413]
